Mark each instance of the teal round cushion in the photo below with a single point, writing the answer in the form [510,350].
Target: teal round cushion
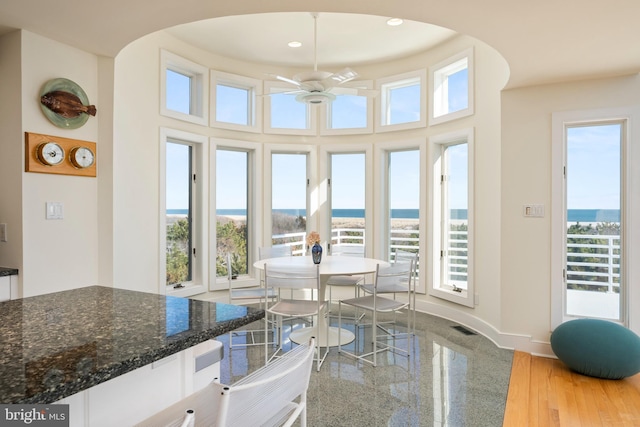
[597,348]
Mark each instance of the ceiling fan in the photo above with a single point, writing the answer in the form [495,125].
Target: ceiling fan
[319,87]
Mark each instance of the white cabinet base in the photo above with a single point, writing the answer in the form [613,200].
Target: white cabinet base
[135,396]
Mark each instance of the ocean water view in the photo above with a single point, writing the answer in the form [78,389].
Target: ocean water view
[573,215]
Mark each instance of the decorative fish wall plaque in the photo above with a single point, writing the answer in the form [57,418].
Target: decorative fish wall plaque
[65,103]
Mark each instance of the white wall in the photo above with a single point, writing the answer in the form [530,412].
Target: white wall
[57,254]
[526,179]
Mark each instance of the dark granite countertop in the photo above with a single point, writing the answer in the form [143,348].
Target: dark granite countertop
[55,345]
[4,271]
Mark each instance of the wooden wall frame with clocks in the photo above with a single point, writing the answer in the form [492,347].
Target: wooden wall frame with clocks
[42,155]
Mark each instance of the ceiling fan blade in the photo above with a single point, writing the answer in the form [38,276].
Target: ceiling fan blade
[343,76]
[285,79]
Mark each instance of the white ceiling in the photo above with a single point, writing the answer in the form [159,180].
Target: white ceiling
[343,39]
[542,41]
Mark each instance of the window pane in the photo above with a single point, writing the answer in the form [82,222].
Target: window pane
[455,209]
[347,199]
[178,92]
[289,199]
[179,213]
[287,113]
[593,215]
[404,104]
[232,193]
[232,105]
[348,112]
[458,93]
[404,200]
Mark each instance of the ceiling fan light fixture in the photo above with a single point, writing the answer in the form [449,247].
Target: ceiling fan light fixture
[294,44]
[315,98]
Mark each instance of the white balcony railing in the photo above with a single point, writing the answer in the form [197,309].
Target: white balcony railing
[590,266]
[593,266]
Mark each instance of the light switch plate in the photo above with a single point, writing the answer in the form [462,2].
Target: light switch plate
[55,210]
[533,211]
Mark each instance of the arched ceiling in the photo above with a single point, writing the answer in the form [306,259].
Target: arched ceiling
[541,41]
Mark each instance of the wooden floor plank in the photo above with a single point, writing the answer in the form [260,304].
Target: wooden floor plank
[518,395]
[544,392]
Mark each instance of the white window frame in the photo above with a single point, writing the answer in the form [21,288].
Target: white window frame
[325,111]
[200,230]
[629,291]
[438,82]
[385,85]
[254,90]
[382,222]
[199,87]
[254,215]
[436,286]
[326,151]
[313,188]
[312,112]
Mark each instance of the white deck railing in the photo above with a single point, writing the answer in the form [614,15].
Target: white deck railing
[598,266]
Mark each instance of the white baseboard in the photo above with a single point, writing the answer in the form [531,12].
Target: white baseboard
[504,340]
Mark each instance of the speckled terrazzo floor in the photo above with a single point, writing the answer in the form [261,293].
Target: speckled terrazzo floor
[450,379]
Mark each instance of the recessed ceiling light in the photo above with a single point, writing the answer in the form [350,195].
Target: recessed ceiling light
[394,22]
[294,44]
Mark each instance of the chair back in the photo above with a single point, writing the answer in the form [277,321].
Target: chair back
[401,256]
[276,251]
[293,277]
[404,256]
[346,249]
[396,275]
[264,396]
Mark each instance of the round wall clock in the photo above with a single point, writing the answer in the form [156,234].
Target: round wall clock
[50,153]
[81,157]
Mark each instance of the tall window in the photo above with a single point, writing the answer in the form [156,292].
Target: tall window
[180,213]
[347,188]
[452,83]
[455,196]
[404,201]
[453,217]
[232,224]
[594,253]
[289,200]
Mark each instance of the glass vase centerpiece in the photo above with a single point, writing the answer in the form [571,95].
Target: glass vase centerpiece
[313,240]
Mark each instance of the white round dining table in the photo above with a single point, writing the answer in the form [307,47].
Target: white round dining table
[329,266]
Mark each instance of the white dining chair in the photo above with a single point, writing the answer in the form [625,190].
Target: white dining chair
[345,281]
[400,288]
[391,277]
[242,296]
[303,282]
[274,395]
